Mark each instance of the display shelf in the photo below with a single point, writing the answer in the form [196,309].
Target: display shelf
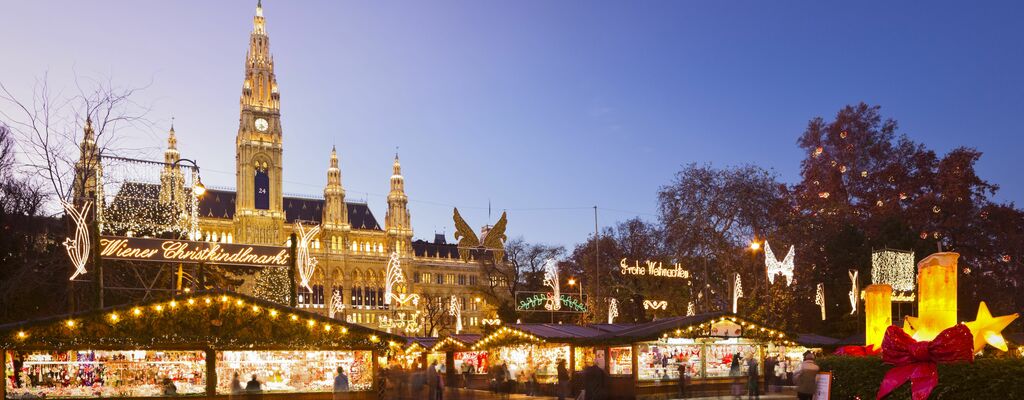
[103,373]
[294,371]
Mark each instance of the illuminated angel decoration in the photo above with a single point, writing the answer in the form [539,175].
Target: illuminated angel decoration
[303,260]
[551,280]
[455,310]
[78,247]
[737,292]
[775,267]
[613,310]
[819,299]
[493,239]
[854,290]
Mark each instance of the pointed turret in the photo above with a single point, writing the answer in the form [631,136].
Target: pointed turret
[88,167]
[397,220]
[172,181]
[335,214]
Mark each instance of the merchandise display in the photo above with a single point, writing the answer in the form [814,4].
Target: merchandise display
[294,371]
[475,360]
[620,361]
[718,359]
[584,356]
[102,373]
[523,360]
[660,361]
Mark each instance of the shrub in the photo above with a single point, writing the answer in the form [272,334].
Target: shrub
[986,378]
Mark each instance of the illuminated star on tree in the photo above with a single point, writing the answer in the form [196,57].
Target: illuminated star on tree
[988,329]
[775,267]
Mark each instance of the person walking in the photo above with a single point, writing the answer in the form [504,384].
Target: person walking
[432,381]
[735,372]
[595,383]
[254,385]
[563,380]
[769,373]
[340,383]
[753,391]
[806,378]
[682,369]
[236,385]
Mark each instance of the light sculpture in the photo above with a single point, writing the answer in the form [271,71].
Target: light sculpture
[776,267]
[455,310]
[78,247]
[337,303]
[988,329]
[613,310]
[819,299]
[305,263]
[737,292]
[393,276]
[877,313]
[854,290]
[551,280]
[936,282]
[655,304]
[689,309]
[896,269]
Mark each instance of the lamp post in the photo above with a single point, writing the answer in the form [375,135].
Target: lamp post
[198,189]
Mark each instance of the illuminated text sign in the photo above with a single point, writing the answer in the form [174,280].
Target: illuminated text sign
[653,268]
[186,251]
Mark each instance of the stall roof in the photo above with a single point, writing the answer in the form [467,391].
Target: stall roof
[813,340]
[684,325]
[214,319]
[456,342]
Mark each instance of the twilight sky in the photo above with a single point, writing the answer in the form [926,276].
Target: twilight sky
[543,108]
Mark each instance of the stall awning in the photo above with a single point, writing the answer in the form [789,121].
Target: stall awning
[459,342]
[548,333]
[215,320]
[701,325]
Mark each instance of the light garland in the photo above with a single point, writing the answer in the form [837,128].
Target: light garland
[505,334]
[78,248]
[613,310]
[303,260]
[819,299]
[854,290]
[750,329]
[895,268]
[737,292]
[776,267]
[551,280]
[455,310]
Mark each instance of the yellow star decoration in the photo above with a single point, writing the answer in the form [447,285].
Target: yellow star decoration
[988,329]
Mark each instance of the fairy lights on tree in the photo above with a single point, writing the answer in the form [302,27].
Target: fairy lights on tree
[819,299]
[272,284]
[737,292]
[78,246]
[303,260]
[776,267]
[551,280]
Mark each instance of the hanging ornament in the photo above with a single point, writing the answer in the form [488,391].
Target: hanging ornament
[842,169]
[842,135]
[775,267]
[303,260]
[835,163]
[936,209]
[903,196]
[1006,258]
[863,174]
[818,151]
[613,310]
[819,299]
[924,235]
[823,195]
[78,247]
[737,292]
[554,303]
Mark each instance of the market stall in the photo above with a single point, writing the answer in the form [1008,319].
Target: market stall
[463,367]
[192,345]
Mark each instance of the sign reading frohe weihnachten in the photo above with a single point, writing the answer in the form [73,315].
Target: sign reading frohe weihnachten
[186,251]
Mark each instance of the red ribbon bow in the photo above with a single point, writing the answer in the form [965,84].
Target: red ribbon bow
[916,361]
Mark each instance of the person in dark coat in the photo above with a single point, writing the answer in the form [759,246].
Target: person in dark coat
[563,380]
[254,385]
[432,381]
[682,379]
[769,372]
[595,383]
[753,392]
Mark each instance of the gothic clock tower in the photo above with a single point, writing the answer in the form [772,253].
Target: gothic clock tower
[259,215]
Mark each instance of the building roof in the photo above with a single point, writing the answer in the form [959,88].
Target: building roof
[422,248]
[219,203]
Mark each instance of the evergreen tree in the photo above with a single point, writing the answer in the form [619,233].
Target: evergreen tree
[272,284]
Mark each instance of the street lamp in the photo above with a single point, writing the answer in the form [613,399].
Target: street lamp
[755,245]
[198,189]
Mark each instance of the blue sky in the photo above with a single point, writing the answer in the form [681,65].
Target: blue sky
[543,108]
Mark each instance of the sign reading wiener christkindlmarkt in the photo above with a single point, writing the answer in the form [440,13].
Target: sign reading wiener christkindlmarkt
[187,251]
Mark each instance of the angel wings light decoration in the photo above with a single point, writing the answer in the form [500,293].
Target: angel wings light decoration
[78,247]
[775,267]
[303,260]
[551,280]
[493,241]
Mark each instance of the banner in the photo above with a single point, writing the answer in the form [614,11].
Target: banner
[187,251]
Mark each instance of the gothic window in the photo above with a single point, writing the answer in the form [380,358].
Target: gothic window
[261,189]
[462,279]
[415,278]
[472,280]
[440,279]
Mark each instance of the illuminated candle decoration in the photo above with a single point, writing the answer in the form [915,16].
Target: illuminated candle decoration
[78,247]
[737,292]
[776,267]
[304,261]
[613,310]
[896,269]
[819,299]
[551,280]
[936,286]
[689,309]
[989,329]
[456,311]
[854,290]
[877,313]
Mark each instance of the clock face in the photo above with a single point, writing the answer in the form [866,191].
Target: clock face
[262,125]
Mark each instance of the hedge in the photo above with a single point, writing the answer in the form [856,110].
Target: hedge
[986,378]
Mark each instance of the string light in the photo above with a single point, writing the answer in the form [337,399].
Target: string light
[78,247]
[775,267]
[551,280]
[303,260]
[895,268]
